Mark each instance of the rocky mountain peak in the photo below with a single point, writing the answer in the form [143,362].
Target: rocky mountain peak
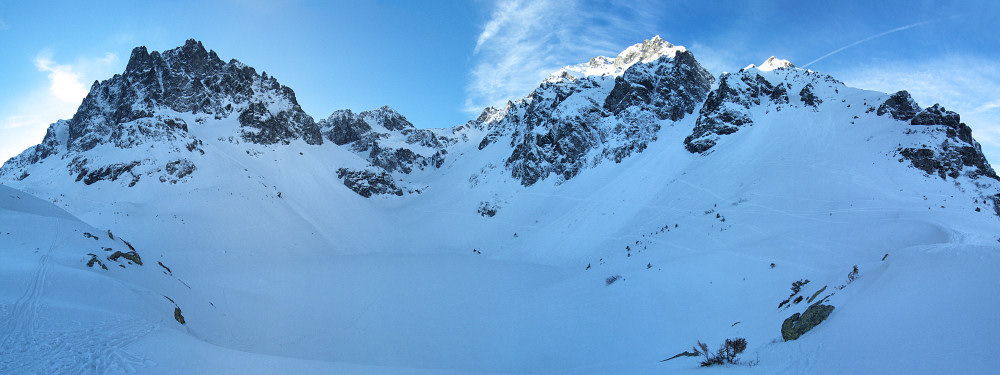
[388,141]
[956,154]
[139,109]
[645,52]
[192,79]
[900,106]
[192,57]
[601,110]
[773,63]
[344,126]
[389,118]
[672,85]
[731,105]
[140,58]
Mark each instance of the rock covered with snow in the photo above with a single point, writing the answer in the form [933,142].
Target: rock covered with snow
[386,139]
[773,63]
[141,109]
[191,79]
[343,126]
[368,183]
[671,88]
[646,52]
[607,109]
[956,154]
[731,105]
[899,106]
[610,110]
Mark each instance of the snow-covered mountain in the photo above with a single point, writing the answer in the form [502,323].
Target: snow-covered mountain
[604,110]
[620,212]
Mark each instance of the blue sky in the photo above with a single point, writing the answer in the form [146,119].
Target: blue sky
[441,62]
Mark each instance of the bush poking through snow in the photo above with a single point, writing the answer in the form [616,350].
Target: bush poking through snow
[797,286]
[611,279]
[488,209]
[710,359]
[853,275]
[177,315]
[726,354]
[731,348]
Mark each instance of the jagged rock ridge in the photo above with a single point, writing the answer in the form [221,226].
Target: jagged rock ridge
[138,110]
[729,106]
[607,109]
[189,79]
[604,110]
[386,139]
[958,152]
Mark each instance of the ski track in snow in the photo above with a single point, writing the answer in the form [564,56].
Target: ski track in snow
[23,317]
[27,347]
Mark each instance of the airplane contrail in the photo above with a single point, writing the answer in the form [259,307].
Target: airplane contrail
[898,29]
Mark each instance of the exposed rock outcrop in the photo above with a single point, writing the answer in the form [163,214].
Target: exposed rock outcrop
[367,183]
[797,325]
[957,153]
[138,110]
[899,106]
[670,88]
[387,140]
[606,109]
[190,79]
[729,107]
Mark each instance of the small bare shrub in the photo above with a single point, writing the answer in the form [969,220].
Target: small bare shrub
[853,275]
[726,354]
[611,279]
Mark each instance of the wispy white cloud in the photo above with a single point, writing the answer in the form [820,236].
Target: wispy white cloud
[3,25]
[68,83]
[64,83]
[988,106]
[526,40]
[964,84]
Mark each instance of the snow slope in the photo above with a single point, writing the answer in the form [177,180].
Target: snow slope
[58,314]
[279,267]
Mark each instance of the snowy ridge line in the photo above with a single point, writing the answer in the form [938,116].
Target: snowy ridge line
[564,127]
